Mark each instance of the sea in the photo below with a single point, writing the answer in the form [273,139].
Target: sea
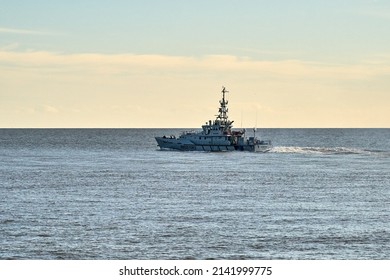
[88,194]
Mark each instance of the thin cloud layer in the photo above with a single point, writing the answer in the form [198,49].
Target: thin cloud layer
[22,31]
[216,63]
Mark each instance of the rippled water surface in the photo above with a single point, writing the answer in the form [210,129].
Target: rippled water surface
[111,194]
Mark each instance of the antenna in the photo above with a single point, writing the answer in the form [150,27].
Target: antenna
[241,118]
[255,128]
[256,119]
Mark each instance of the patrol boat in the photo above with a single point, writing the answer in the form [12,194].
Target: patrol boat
[215,136]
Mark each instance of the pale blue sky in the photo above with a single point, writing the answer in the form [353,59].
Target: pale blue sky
[281,49]
[316,29]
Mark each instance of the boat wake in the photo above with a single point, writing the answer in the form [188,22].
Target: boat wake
[326,151]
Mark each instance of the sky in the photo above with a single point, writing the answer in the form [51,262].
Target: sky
[152,64]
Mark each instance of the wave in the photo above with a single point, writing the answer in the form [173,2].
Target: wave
[326,151]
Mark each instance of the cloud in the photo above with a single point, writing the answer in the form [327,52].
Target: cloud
[9,47]
[163,65]
[49,109]
[22,31]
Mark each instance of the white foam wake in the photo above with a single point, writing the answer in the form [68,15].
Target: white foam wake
[319,150]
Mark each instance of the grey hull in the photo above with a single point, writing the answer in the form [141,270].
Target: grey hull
[186,145]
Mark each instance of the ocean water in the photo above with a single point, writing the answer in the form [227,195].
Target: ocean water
[111,194]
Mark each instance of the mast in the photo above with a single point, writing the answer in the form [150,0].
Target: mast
[223,110]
